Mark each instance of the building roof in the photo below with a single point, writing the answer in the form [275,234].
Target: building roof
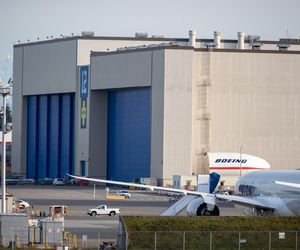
[199,40]
[176,47]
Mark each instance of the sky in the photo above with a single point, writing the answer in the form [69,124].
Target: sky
[23,20]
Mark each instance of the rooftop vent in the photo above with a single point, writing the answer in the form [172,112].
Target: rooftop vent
[217,39]
[87,33]
[253,38]
[210,45]
[241,40]
[141,34]
[256,46]
[192,38]
[157,36]
[283,46]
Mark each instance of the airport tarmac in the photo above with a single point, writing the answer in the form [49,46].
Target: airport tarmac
[80,199]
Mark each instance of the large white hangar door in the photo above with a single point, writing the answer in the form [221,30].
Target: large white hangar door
[129,128]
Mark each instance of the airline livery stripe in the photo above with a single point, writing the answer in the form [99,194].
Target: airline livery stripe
[237,168]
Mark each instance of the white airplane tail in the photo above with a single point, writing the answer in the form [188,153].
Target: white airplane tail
[207,183]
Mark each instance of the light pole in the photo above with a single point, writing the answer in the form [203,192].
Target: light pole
[4,91]
[241,158]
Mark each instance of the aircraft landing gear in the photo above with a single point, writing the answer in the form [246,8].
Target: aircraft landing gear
[204,211]
[263,212]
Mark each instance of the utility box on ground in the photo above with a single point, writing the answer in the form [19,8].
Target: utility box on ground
[14,228]
[34,235]
[52,231]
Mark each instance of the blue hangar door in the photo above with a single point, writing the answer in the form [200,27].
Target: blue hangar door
[50,135]
[129,126]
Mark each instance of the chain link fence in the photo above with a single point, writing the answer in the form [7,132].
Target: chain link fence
[213,240]
[94,238]
[73,239]
[173,240]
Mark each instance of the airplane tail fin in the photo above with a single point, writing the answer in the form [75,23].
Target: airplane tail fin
[207,183]
[213,181]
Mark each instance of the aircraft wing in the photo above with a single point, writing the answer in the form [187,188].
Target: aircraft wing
[245,201]
[289,184]
[208,198]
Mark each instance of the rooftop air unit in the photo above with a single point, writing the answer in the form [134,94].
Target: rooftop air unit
[141,34]
[256,46]
[283,46]
[253,38]
[210,45]
[87,33]
[254,41]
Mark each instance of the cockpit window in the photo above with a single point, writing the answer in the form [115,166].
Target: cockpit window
[247,189]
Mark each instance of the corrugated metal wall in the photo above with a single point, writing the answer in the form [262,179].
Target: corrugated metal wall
[129,129]
[50,136]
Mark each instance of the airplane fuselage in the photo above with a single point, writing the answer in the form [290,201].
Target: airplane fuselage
[261,185]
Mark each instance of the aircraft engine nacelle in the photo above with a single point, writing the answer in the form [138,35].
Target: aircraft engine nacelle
[199,208]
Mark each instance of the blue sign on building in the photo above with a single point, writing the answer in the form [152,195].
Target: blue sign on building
[84,74]
[84,80]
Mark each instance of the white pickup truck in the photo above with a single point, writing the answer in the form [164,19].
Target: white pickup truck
[103,209]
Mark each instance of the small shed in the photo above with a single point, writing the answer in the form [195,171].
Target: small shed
[9,202]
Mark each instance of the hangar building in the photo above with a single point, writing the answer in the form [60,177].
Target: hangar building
[152,107]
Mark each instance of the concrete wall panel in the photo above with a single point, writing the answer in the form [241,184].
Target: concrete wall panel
[19,135]
[157,113]
[49,68]
[178,113]
[255,102]
[121,70]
